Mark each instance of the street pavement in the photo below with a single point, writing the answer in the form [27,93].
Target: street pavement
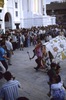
[33,84]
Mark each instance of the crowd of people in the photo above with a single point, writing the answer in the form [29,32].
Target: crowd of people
[18,39]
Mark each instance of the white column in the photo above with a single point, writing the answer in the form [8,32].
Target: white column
[30,5]
[40,7]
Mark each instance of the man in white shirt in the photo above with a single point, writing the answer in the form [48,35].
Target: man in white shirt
[57,89]
[9,90]
[9,48]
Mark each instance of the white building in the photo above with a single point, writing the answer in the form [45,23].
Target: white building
[24,14]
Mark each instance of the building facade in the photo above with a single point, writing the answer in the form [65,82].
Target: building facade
[59,10]
[24,14]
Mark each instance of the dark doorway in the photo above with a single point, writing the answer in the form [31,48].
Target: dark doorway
[17,25]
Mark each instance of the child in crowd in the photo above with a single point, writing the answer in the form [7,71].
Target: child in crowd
[45,58]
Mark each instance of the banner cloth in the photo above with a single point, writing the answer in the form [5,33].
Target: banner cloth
[57,47]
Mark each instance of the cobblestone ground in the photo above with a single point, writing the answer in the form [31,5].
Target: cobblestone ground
[34,84]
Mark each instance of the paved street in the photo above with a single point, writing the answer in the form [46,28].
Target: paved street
[34,84]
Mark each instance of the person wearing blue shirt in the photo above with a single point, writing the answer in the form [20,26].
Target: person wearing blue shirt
[3,56]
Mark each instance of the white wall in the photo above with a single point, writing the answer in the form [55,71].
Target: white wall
[26,18]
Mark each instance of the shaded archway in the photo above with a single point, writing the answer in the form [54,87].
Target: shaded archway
[8,21]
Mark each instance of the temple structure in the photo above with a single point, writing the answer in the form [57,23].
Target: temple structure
[23,14]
